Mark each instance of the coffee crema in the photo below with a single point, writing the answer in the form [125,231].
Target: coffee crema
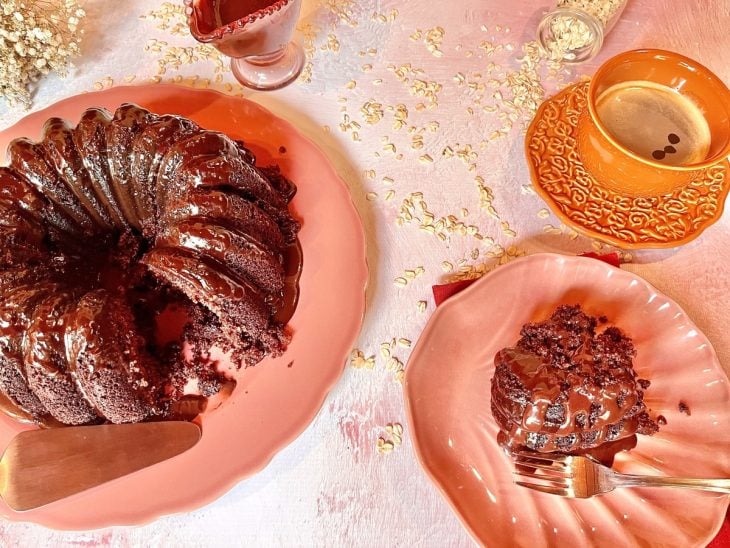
[655,122]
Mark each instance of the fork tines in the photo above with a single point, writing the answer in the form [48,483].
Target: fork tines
[548,474]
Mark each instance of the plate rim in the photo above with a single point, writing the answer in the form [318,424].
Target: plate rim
[465,294]
[298,427]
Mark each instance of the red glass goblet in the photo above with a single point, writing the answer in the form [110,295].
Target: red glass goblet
[256,34]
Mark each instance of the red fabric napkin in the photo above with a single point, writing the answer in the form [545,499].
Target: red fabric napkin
[443,292]
[722,540]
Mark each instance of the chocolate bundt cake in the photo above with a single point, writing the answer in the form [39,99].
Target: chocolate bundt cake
[567,386]
[106,226]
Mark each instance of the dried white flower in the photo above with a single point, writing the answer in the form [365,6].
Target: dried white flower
[36,37]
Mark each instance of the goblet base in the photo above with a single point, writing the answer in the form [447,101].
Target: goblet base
[270,72]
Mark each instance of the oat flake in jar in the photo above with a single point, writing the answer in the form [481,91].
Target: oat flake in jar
[574,30]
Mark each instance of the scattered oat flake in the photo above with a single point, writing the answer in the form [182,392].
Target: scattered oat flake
[528,189]
[358,360]
[372,111]
[384,447]
[422,305]
[385,351]
[393,364]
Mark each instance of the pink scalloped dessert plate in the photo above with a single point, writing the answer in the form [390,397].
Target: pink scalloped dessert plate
[447,390]
[276,400]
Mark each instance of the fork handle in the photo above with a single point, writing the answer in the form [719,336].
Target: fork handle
[630,480]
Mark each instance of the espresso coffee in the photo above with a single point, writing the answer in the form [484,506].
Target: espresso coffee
[655,122]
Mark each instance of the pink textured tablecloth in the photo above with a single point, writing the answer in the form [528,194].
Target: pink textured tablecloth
[394,94]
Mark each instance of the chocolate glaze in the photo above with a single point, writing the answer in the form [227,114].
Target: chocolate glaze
[244,256]
[148,149]
[106,356]
[20,238]
[101,228]
[44,353]
[13,410]
[15,316]
[62,154]
[190,149]
[17,194]
[228,210]
[293,264]
[90,140]
[213,161]
[233,172]
[28,160]
[564,387]
[15,276]
[205,283]
[128,122]
[216,172]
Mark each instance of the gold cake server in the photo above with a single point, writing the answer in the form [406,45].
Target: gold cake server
[42,466]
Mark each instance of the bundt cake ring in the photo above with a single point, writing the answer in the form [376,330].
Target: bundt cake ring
[107,224]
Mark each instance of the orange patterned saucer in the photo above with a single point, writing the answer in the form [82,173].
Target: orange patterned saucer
[590,206]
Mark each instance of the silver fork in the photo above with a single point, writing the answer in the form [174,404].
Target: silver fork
[582,477]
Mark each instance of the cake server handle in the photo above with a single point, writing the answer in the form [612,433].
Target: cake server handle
[42,466]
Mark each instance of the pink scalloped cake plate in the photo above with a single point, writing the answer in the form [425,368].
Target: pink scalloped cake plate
[276,400]
[447,390]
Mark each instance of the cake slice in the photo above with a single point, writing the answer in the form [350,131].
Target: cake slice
[17,194]
[16,312]
[46,365]
[238,304]
[62,154]
[128,122]
[230,210]
[148,149]
[107,355]
[28,161]
[568,386]
[243,255]
[90,138]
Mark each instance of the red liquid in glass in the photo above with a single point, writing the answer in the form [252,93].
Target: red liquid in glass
[213,14]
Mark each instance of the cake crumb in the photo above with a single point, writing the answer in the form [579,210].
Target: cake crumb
[684,408]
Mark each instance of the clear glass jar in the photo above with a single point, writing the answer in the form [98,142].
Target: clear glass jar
[574,30]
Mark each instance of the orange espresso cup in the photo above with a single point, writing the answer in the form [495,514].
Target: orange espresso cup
[624,168]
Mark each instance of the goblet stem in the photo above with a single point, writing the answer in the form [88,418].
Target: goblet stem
[271,71]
